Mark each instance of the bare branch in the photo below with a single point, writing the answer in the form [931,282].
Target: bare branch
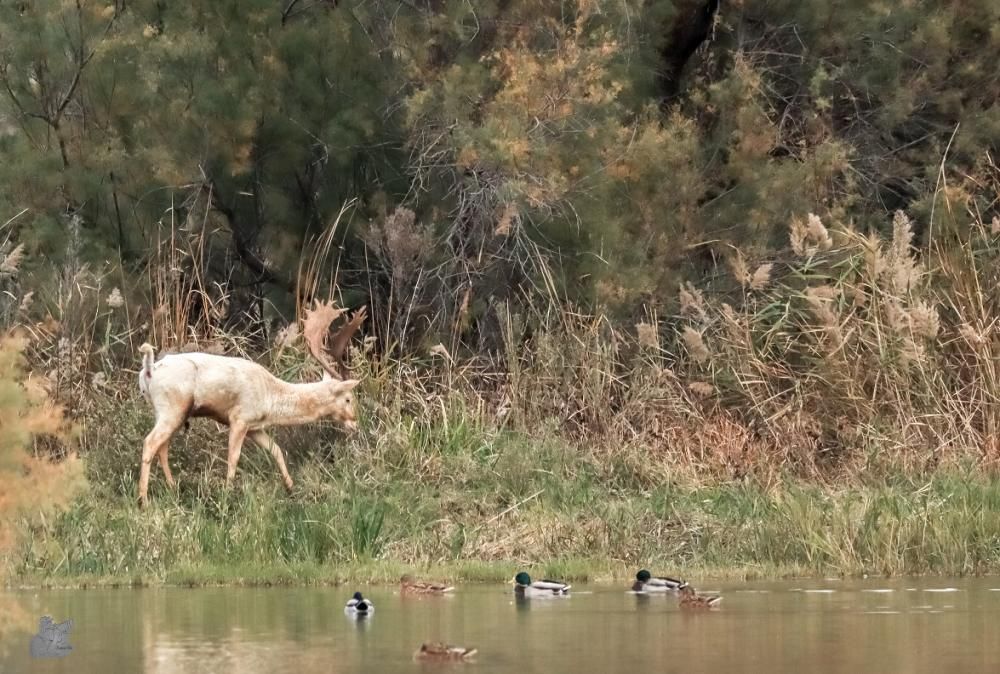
[14,99]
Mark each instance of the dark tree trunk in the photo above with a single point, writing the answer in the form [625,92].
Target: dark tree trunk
[683,34]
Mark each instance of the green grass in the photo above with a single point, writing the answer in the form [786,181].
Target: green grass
[446,490]
[359,519]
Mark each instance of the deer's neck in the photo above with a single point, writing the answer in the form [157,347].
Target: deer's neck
[299,403]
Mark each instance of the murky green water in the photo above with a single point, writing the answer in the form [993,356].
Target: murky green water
[925,625]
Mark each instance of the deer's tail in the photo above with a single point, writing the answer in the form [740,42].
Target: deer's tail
[146,373]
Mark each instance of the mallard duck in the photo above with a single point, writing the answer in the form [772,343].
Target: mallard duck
[359,606]
[691,599]
[646,582]
[540,588]
[408,585]
[442,651]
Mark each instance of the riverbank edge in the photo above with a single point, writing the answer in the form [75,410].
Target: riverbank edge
[387,573]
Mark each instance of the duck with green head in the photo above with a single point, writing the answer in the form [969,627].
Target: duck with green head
[647,582]
[524,587]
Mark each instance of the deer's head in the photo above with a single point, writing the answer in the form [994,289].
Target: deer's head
[338,396]
[340,404]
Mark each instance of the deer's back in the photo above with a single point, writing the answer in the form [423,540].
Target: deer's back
[203,381]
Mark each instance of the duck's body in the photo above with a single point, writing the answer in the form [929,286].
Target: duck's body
[524,587]
[691,599]
[442,651]
[358,606]
[408,585]
[646,582]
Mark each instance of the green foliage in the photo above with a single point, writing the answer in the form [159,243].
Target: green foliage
[517,190]
[600,152]
[367,518]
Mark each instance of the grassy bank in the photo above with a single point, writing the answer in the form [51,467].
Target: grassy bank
[834,415]
[365,523]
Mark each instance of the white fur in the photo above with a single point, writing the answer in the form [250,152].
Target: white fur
[236,392]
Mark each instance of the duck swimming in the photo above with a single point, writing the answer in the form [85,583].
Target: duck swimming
[524,587]
[408,585]
[359,606]
[691,599]
[646,582]
[442,651]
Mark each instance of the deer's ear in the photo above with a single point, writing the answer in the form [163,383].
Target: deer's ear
[349,384]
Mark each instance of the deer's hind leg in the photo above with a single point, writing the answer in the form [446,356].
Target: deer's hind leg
[165,466]
[267,442]
[156,444]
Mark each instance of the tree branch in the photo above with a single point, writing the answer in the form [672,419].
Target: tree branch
[15,100]
[287,12]
[82,62]
[244,250]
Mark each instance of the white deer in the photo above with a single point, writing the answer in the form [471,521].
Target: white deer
[245,396]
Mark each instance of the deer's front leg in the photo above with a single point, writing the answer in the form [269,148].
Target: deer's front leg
[267,442]
[237,433]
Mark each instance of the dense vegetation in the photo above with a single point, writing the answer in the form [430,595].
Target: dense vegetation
[484,151]
[620,258]
[33,486]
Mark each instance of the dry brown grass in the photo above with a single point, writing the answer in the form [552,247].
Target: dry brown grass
[856,352]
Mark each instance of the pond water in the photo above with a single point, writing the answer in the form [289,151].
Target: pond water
[899,625]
